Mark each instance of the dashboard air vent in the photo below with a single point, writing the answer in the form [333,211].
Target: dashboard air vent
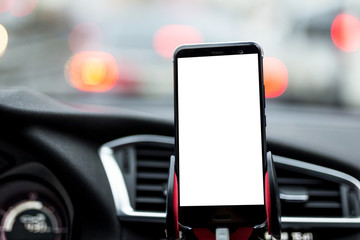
[305,194]
[137,169]
[152,167]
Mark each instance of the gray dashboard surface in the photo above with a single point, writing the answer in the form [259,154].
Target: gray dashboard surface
[332,134]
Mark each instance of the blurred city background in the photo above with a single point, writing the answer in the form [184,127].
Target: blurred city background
[106,51]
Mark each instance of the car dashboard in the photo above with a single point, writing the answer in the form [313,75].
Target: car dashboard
[88,172]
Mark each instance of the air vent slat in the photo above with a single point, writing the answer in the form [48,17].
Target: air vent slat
[153,200]
[330,205]
[150,176]
[153,153]
[154,188]
[299,181]
[324,193]
[153,164]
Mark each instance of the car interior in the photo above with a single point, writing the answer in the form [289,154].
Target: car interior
[87,112]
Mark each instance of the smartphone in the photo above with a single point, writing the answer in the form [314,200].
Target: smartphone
[220,144]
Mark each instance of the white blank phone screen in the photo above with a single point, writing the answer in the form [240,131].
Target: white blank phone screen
[220,146]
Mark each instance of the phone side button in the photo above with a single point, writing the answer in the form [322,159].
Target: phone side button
[265,119]
[264,96]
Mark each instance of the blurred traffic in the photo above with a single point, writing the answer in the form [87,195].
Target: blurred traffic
[123,48]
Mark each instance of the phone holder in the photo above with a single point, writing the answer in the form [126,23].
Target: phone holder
[272,206]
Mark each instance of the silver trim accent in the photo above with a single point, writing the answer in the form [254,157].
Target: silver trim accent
[116,179]
[319,169]
[121,196]
[294,197]
[319,220]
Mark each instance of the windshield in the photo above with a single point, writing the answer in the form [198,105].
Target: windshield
[112,49]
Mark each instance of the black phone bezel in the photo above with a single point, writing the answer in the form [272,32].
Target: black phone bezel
[207,216]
